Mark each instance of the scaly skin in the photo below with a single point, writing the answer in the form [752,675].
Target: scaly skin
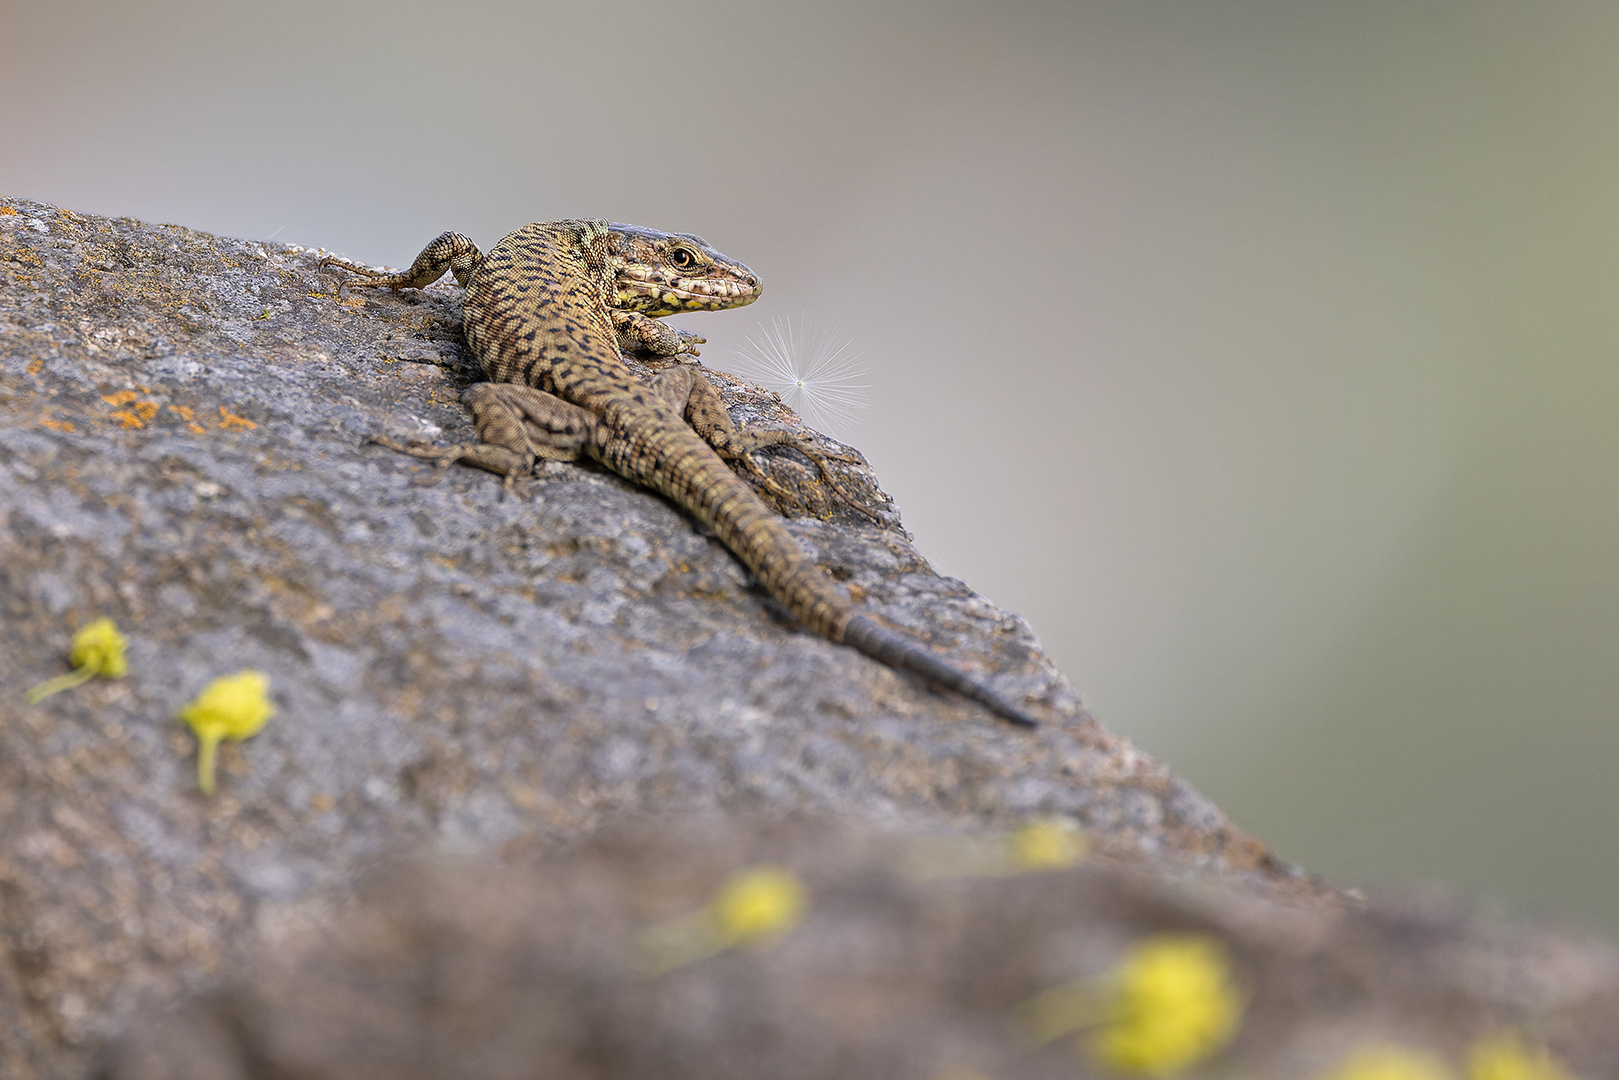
[547,312]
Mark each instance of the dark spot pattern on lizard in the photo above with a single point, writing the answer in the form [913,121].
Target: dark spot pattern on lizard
[547,312]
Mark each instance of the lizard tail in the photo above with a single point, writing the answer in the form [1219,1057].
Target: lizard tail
[905,655]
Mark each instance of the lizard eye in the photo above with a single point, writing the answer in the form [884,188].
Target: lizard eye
[683,258]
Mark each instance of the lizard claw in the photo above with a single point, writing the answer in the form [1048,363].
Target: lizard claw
[688,342]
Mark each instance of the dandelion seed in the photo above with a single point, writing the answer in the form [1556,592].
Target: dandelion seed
[813,371]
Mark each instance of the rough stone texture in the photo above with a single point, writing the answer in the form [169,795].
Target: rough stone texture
[452,969]
[182,425]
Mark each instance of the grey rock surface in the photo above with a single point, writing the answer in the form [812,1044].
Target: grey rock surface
[182,426]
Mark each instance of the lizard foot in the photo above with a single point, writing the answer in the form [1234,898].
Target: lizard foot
[820,459]
[503,461]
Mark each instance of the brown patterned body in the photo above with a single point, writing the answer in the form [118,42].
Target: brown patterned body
[547,313]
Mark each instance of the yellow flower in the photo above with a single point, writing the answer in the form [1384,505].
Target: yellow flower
[1504,1056]
[1390,1063]
[757,905]
[98,649]
[1169,1004]
[752,907]
[1048,844]
[1042,844]
[231,707]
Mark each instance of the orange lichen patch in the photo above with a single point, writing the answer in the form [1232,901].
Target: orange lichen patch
[33,369]
[57,425]
[187,415]
[137,415]
[230,421]
[6,210]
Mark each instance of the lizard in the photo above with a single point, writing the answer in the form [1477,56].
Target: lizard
[546,313]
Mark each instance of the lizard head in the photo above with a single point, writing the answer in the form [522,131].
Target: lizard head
[658,273]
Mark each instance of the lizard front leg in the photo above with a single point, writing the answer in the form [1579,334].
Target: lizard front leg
[700,403]
[516,425]
[637,332]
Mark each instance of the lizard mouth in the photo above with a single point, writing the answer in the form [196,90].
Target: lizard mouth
[654,291]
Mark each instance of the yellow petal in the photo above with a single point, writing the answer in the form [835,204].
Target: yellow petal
[233,706]
[1048,844]
[758,904]
[100,647]
[1170,1004]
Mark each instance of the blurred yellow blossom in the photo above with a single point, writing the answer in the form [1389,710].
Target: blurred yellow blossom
[757,905]
[98,649]
[231,707]
[1390,1063]
[1169,1004]
[1048,844]
[1504,1056]
[753,907]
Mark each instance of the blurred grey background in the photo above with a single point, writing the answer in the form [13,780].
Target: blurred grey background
[1260,352]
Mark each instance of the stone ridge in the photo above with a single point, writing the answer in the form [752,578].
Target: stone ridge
[182,420]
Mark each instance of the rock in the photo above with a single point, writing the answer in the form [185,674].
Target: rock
[493,705]
[182,426]
[905,966]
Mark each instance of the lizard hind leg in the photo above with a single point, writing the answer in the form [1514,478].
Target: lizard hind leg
[517,425]
[701,404]
[451,251]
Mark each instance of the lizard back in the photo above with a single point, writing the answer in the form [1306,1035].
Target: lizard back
[536,312]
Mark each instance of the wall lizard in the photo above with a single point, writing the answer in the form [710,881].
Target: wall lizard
[547,311]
